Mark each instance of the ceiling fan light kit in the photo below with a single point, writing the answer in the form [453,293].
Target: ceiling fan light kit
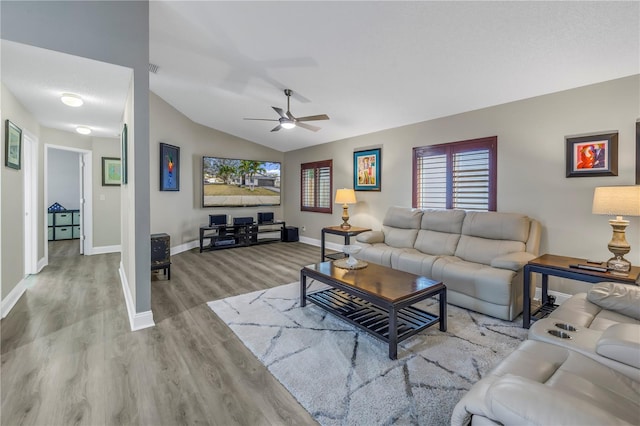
[289,121]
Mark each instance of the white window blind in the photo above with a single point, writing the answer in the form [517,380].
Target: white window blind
[316,182]
[458,175]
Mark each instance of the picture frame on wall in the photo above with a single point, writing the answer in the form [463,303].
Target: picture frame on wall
[169,167]
[111,171]
[367,170]
[123,137]
[12,146]
[638,152]
[592,155]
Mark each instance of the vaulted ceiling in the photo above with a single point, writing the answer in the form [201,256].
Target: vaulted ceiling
[368,65]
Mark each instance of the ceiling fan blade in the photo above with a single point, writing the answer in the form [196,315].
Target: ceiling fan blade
[279,111]
[291,117]
[261,119]
[313,117]
[275,129]
[307,126]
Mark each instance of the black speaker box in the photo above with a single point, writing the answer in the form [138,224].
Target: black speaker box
[265,217]
[289,234]
[242,220]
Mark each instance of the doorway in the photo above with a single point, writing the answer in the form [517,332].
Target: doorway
[67,175]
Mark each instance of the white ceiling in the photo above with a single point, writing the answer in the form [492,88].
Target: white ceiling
[368,65]
[377,65]
[38,77]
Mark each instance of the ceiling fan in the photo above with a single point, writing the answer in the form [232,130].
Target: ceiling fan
[288,121]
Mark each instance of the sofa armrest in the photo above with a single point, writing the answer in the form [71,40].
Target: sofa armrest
[621,342]
[515,400]
[370,237]
[513,261]
[621,298]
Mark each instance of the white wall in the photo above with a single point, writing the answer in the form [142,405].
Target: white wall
[63,179]
[106,199]
[531,165]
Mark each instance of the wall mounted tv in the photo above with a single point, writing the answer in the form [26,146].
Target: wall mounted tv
[228,182]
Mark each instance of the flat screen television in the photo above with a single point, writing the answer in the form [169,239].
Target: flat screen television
[229,182]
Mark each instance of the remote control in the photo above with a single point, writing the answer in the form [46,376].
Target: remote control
[590,267]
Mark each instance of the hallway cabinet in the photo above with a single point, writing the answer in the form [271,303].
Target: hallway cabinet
[63,225]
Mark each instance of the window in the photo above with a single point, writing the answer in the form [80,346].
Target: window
[315,188]
[457,175]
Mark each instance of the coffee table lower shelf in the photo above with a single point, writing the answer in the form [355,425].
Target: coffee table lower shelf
[370,317]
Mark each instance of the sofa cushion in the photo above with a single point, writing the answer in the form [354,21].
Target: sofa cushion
[496,226]
[370,237]
[449,221]
[436,243]
[621,342]
[484,250]
[621,298]
[577,310]
[379,253]
[400,226]
[474,279]
[414,262]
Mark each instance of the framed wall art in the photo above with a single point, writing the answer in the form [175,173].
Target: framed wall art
[367,170]
[12,146]
[638,152]
[111,171]
[169,167]
[592,155]
[125,175]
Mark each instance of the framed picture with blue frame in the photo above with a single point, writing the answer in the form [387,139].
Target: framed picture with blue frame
[367,170]
[169,167]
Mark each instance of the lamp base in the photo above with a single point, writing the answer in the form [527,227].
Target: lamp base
[618,264]
[345,217]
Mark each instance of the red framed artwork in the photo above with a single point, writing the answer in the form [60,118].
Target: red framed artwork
[592,155]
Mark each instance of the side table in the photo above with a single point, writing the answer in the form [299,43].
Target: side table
[338,230]
[560,266]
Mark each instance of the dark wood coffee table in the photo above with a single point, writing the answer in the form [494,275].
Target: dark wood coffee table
[377,299]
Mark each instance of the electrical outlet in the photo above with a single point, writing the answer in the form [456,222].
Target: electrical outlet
[304,228]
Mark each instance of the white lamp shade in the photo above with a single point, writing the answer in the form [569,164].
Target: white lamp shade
[617,200]
[345,196]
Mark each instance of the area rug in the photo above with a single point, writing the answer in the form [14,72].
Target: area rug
[343,376]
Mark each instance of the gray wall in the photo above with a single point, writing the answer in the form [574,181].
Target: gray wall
[12,197]
[64,178]
[117,33]
[531,165]
[106,199]
[180,214]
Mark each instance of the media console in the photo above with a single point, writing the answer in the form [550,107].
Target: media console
[239,235]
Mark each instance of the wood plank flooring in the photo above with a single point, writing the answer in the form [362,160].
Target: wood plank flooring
[69,357]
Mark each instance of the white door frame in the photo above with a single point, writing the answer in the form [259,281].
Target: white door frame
[30,203]
[86,185]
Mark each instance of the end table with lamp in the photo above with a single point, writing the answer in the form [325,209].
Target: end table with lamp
[345,197]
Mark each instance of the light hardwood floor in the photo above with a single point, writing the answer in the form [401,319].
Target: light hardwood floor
[69,357]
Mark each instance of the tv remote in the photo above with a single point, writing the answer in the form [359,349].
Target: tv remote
[590,267]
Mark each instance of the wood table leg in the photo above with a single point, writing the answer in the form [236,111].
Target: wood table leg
[443,310]
[303,289]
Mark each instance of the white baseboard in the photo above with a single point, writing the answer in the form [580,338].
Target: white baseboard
[41,264]
[560,297]
[105,250]
[185,247]
[140,320]
[327,244]
[12,298]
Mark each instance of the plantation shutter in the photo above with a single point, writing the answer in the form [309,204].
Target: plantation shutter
[315,189]
[458,175]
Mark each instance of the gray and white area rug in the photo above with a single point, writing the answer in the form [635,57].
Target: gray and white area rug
[343,376]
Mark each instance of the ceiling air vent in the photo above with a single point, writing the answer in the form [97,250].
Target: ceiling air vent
[153,68]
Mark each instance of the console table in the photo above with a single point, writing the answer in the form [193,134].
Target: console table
[228,236]
[338,230]
[560,266]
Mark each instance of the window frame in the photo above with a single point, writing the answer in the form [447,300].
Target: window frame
[449,149]
[316,165]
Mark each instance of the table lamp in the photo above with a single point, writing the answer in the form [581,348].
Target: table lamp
[618,201]
[345,197]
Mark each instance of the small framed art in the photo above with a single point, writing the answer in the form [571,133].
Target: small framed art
[111,171]
[12,146]
[367,170]
[592,155]
[169,167]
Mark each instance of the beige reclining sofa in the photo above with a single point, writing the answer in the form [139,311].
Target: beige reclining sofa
[580,366]
[479,256]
